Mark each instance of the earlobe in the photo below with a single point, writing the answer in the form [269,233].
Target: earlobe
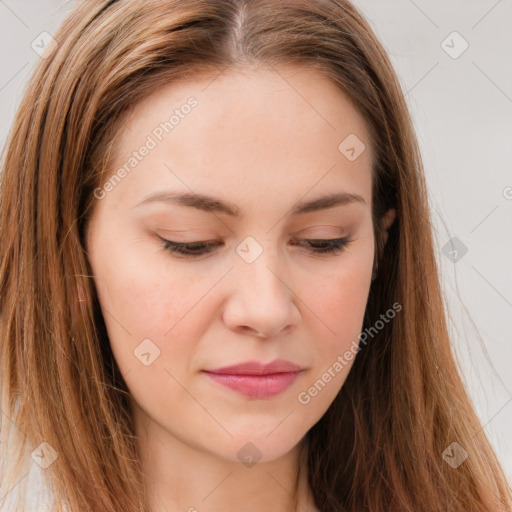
[386,222]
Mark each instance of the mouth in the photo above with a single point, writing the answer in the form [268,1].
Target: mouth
[256,386]
[256,380]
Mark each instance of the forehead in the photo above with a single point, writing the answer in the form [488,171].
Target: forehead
[281,130]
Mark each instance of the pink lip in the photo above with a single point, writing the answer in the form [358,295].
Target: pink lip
[257,380]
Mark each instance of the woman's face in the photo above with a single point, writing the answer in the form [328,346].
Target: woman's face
[265,147]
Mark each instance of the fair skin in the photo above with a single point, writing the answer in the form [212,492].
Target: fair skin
[264,144]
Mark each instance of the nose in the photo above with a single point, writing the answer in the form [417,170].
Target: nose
[261,301]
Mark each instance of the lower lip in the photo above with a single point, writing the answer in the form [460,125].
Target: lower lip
[256,386]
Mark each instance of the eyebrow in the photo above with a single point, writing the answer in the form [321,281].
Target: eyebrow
[216,205]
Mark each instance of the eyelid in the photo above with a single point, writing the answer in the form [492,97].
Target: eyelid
[331,247]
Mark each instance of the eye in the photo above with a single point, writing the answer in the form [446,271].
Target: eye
[188,249]
[316,246]
[327,246]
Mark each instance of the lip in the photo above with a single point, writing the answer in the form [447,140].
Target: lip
[257,368]
[256,380]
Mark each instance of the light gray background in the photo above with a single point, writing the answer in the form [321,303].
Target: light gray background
[462,110]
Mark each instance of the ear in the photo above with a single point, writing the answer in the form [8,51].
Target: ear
[386,222]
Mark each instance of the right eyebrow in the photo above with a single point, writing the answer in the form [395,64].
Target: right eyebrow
[212,204]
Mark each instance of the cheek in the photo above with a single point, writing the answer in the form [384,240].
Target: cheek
[343,300]
[147,299]
[156,310]
[340,302]
[340,299]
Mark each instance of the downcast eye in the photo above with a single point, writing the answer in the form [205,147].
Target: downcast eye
[199,248]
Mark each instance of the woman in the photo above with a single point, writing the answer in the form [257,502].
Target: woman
[211,298]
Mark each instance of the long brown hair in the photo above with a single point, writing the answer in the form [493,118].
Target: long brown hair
[379,446]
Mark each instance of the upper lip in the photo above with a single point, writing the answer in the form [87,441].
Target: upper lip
[257,368]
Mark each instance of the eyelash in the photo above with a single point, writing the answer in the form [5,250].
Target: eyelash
[334,246]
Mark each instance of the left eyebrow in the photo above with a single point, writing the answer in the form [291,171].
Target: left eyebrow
[212,204]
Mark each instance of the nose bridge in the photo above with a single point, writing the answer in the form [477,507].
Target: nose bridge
[261,298]
[259,268]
